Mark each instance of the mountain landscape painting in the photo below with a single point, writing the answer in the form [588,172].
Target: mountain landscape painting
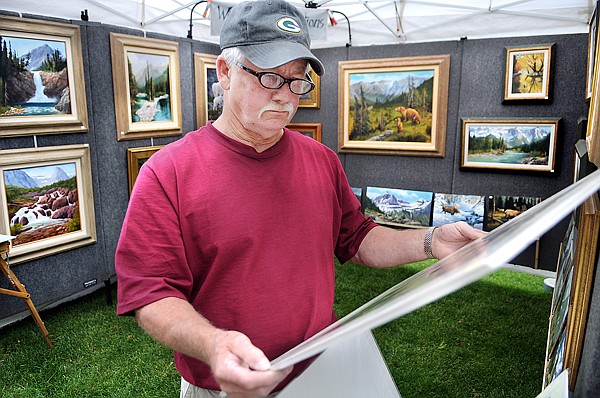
[42,202]
[505,145]
[398,206]
[33,77]
[149,87]
[391,106]
[395,106]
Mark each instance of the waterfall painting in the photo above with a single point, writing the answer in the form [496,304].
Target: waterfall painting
[394,106]
[35,75]
[41,78]
[209,93]
[46,203]
[146,87]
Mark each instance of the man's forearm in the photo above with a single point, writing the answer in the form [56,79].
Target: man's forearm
[177,325]
[386,247]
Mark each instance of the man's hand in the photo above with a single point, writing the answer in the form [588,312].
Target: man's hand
[240,368]
[450,237]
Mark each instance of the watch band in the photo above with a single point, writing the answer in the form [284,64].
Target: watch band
[427,242]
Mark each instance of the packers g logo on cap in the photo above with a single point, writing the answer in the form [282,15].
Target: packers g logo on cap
[289,25]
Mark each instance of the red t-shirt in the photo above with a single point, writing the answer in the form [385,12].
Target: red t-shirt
[247,238]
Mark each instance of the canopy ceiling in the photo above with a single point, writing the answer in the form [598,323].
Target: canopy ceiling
[371,22]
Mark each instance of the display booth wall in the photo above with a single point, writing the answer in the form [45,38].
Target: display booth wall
[475,90]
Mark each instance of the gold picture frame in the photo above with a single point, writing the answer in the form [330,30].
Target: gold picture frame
[491,144]
[313,98]
[54,98]
[136,157]
[591,53]
[146,87]
[209,94]
[46,200]
[313,130]
[583,279]
[592,137]
[528,73]
[398,124]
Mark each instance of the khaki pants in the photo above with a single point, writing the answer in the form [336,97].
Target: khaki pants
[191,391]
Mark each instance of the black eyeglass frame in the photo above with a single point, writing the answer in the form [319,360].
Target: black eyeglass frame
[285,80]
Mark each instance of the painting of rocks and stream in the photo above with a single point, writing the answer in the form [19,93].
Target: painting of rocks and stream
[42,202]
[33,77]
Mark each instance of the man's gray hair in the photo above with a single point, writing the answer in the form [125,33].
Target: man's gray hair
[233,55]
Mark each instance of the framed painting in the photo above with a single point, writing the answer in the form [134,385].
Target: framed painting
[394,106]
[556,363]
[358,193]
[312,130]
[136,157]
[209,94]
[583,279]
[592,137]
[566,260]
[558,316]
[398,207]
[449,208]
[42,87]
[527,73]
[501,208]
[591,53]
[46,200]
[312,99]
[146,87]
[509,144]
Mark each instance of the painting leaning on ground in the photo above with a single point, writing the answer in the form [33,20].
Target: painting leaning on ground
[42,202]
[33,77]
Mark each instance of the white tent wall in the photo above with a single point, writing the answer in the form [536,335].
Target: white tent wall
[475,90]
[372,22]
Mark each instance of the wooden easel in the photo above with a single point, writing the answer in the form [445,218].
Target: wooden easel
[20,289]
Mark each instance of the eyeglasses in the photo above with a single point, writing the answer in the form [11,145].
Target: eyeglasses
[274,81]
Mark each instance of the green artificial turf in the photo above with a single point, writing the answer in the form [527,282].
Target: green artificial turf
[486,340]
[96,354]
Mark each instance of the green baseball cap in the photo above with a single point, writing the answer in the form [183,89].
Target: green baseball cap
[270,33]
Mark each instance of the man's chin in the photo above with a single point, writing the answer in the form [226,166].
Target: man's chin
[276,123]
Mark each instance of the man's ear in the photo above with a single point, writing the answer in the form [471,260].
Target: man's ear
[223,72]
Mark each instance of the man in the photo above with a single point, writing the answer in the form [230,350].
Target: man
[237,265]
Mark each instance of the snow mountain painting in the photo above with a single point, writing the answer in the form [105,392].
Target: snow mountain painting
[398,206]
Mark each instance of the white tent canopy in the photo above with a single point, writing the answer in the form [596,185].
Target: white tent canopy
[371,22]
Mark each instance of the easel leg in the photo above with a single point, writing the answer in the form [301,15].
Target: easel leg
[21,292]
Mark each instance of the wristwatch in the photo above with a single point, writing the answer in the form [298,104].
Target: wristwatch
[427,242]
